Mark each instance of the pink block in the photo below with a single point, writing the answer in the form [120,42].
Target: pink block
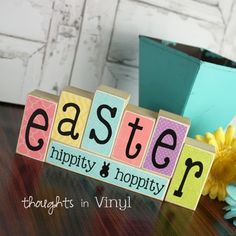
[138,146]
[37,125]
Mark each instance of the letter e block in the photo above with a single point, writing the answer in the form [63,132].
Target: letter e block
[36,126]
[166,143]
[104,119]
[72,114]
[134,135]
[191,174]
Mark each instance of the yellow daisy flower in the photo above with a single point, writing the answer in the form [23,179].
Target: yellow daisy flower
[223,170]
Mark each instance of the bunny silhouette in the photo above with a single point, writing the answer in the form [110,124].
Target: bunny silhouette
[104,171]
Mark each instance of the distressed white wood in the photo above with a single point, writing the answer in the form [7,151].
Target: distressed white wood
[20,64]
[61,47]
[225,6]
[211,2]
[49,38]
[26,18]
[93,43]
[156,22]
[122,77]
[195,9]
[229,43]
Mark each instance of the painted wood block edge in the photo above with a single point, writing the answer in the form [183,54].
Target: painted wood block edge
[107,170]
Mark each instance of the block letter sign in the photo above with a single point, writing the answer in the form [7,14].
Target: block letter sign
[85,131]
[168,137]
[134,135]
[72,113]
[191,173]
[37,124]
[104,119]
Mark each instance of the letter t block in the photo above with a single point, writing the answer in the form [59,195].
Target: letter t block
[134,135]
[36,126]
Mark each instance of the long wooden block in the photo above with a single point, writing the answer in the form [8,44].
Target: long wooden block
[191,173]
[107,170]
[36,126]
[104,119]
[168,137]
[134,135]
[72,114]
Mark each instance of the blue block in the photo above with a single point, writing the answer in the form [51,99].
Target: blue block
[107,170]
[116,100]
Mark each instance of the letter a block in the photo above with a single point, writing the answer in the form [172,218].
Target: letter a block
[168,137]
[104,119]
[191,173]
[72,113]
[36,126]
[134,135]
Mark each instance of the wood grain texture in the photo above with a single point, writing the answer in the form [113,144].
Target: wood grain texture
[88,42]
[21,177]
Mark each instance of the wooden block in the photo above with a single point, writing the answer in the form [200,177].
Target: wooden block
[134,135]
[107,170]
[166,143]
[104,119]
[191,173]
[36,126]
[72,114]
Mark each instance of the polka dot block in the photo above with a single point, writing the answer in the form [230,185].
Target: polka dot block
[167,140]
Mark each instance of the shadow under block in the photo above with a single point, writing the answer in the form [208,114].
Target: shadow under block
[166,143]
[134,135]
[188,81]
[104,119]
[191,174]
[72,114]
[107,170]
[36,125]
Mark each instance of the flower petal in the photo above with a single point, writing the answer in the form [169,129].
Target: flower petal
[201,138]
[229,135]
[231,190]
[230,214]
[213,191]
[230,201]
[220,137]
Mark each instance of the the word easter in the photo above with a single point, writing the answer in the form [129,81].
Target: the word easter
[102,136]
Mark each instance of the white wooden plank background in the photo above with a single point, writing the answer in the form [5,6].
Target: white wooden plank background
[48,44]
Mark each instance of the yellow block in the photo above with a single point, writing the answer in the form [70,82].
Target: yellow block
[72,114]
[191,173]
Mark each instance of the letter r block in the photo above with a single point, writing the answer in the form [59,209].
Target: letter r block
[104,119]
[134,135]
[36,125]
[72,114]
[191,173]
[166,143]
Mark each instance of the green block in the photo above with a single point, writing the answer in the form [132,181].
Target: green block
[188,81]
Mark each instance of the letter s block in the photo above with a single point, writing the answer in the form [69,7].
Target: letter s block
[72,114]
[191,173]
[168,137]
[134,135]
[36,126]
[104,119]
